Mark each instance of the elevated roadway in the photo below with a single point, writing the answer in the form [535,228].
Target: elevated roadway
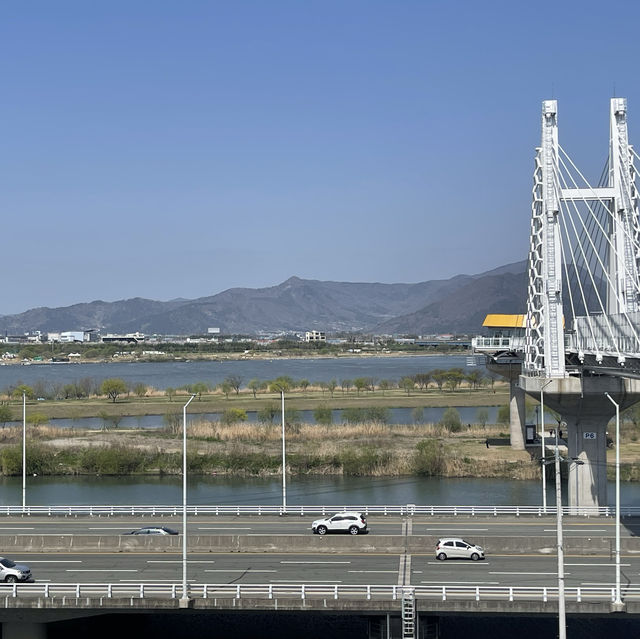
[501,570]
[266,525]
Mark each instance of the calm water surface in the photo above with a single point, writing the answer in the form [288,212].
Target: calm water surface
[161,375]
[300,491]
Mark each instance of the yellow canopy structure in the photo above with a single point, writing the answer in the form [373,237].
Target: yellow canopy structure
[499,320]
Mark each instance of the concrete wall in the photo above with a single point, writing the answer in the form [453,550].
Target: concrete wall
[415,544]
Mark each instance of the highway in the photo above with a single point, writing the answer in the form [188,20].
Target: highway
[312,569]
[296,525]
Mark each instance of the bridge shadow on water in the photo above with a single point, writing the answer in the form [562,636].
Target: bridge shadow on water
[201,625]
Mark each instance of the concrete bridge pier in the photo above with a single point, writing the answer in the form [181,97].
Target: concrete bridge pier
[586,410]
[517,410]
[517,415]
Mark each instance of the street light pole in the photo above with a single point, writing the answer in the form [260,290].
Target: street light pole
[24,451]
[544,474]
[618,599]
[284,460]
[185,592]
[562,617]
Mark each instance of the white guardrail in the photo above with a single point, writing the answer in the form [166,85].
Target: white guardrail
[302,591]
[405,510]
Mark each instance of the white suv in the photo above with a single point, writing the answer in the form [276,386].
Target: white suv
[10,572]
[353,523]
[455,548]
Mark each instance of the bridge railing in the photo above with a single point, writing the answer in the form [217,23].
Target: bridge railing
[66,592]
[368,509]
[512,343]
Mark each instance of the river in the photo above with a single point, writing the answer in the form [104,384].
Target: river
[307,490]
[161,375]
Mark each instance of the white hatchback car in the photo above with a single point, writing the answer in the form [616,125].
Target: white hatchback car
[353,523]
[456,548]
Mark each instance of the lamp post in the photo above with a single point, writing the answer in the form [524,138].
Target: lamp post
[185,591]
[544,475]
[284,460]
[618,599]
[24,451]
[562,617]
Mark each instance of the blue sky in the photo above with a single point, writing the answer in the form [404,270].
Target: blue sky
[177,149]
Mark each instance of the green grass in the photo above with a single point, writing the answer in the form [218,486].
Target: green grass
[296,400]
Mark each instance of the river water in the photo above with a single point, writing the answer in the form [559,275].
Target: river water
[161,375]
[307,490]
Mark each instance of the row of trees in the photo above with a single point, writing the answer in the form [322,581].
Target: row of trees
[85,387]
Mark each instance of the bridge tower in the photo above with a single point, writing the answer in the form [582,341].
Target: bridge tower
[582,336]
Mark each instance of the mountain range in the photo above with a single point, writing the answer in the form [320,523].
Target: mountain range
[455,305]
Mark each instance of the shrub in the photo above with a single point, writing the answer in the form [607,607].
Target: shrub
[266,414]
[451,420]
[353,415]
[362,461]
[233,416]
[172,422]
[323,415]
[377,414]
[504,414]
[429,458]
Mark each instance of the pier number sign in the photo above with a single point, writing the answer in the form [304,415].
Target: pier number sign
[589,435]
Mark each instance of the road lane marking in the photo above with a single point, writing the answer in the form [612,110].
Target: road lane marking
[570,530]
[315,562]
[598,565]
[458,529]
[374,571]
[247,570]
[452,563]
[51,561]
[19,528]
[225,528]
[151,581]
[101,570]
[519,572]
[178,561]
[463,583]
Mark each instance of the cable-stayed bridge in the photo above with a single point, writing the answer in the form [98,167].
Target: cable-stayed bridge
[577,347]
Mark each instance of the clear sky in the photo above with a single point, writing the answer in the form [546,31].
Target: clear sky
[178,148]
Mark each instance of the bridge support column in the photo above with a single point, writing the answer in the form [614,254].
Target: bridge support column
[517,415]
[23,630]
[584,407]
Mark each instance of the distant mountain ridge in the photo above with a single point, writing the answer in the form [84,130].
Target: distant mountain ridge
[458,304]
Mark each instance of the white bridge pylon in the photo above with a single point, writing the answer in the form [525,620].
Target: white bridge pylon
[582,326]
[584,258]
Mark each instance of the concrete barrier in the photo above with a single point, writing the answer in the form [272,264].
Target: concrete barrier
[375,544]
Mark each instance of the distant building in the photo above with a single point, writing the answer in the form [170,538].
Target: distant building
[69,336]
[130,338]
[315,336]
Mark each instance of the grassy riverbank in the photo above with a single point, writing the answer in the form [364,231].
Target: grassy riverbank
[368,449]
[158,403]
[255,449]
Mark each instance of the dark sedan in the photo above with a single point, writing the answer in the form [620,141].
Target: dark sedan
[153,530]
